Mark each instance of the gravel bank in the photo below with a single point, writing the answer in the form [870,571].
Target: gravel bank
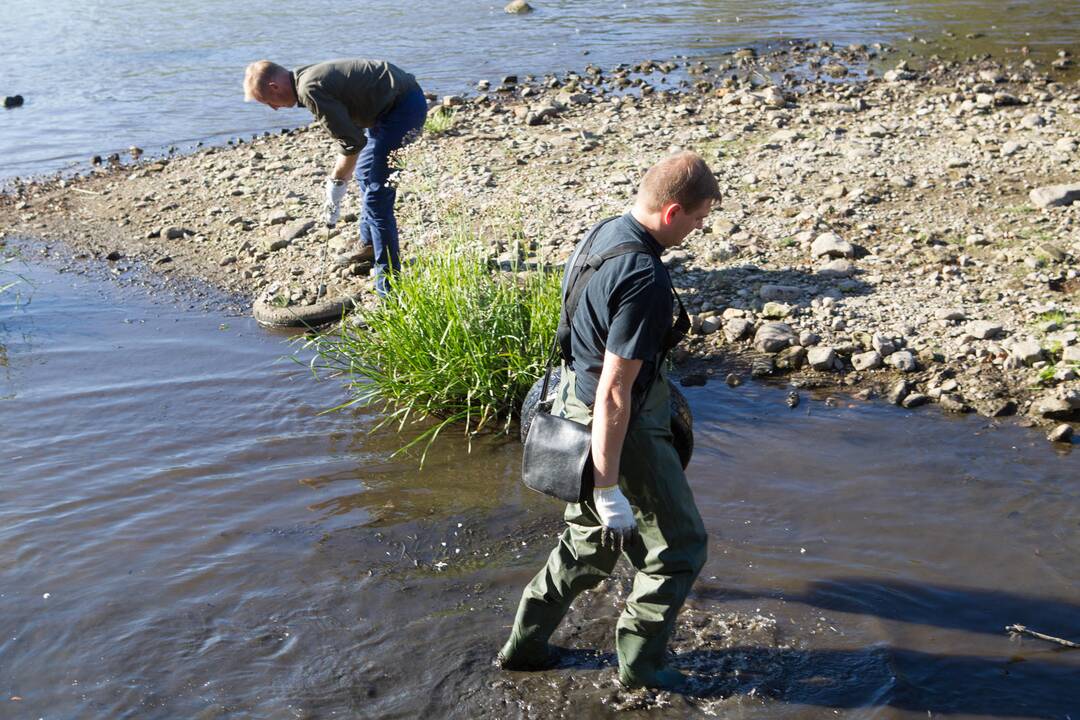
[910,232]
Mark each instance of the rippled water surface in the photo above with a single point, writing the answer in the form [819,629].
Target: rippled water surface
[183,534]
[99,76]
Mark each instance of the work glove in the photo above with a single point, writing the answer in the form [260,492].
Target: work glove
[619,531]
[335,193]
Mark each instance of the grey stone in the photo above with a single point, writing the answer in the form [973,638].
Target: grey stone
[883,344]
[1061,434]
[838,268]
[1032,121]
[1002,408]
[903,361]
[831,245]
[914,400]
[984,330]
[834,192]
[954,404]
[951,314]
[781,137]
[279,217]
[1071,354]
[296,229]
[809,339]
[821,358]
[1026,352]
[867,360]
[1055,195]
[762,367]
[898,392]
[275,244]
[780,293]
[1052,407]
[733,380]
[791,358]
[1011,147]
[775,311]
[176,233]
[1051,252]
[710,325]
[737,329]
[774,337]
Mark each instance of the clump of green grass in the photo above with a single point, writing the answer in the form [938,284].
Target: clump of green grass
[439,121]
[455,342]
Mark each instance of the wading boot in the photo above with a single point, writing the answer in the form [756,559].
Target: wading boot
[545,659]
[667,678]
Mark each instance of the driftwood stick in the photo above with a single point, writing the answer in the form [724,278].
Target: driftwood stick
[85,192]
[1022,630]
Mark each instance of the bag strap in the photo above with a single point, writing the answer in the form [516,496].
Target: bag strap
[583,267]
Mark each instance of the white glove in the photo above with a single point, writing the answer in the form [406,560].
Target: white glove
[335,193]
[620,528]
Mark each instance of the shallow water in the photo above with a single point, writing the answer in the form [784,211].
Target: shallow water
[99,77]
[183,534]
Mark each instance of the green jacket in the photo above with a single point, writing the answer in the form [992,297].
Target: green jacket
[349,95]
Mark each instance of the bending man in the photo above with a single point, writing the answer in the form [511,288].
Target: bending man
[371,108]
[641,504]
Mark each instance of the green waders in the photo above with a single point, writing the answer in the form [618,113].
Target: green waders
[668,558]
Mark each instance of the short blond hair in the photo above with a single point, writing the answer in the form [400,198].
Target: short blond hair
[683,178]
[257,76]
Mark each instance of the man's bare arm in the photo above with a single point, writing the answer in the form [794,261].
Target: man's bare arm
[611,416]
[344,166]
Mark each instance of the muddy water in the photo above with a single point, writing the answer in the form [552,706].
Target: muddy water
[182,534]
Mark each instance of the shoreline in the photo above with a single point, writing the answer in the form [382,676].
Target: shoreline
[877,233]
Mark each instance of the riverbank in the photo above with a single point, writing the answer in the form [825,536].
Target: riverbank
[877,233]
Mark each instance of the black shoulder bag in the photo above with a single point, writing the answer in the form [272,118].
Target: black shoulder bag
[557,460]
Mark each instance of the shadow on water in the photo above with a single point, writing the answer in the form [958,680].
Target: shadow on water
[969,609]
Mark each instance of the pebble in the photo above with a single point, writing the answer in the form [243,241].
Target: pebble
[733,380]
[914,400]
[821,358]
[870,360]
[903,361]
[984,330]
[1055,195]
[831,245]
[518,7]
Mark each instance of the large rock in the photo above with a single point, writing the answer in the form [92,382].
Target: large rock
[821,358]
[866,361]
[518,7]
[737,329]
[984,329]
[831,245]
[1055,195]
[297,229]
[1026,352]
[774,337]
[1053,407]
[903,361]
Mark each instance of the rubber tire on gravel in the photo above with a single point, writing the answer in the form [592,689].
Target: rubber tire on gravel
[682,420]
[304,315]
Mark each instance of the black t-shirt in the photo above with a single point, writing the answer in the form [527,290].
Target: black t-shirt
[626,308]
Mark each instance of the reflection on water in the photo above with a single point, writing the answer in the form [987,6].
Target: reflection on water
[165,73]
[184,534]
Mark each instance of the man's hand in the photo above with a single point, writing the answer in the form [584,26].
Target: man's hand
[335,193]
[620,529]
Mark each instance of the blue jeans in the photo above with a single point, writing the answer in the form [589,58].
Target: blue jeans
[378,227]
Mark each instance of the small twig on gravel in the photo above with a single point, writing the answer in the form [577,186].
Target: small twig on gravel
[1022,630]
[86,192]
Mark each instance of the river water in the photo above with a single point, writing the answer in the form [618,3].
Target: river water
[183,534]
[101,76]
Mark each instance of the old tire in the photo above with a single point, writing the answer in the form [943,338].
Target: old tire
[306,315]
[682,420]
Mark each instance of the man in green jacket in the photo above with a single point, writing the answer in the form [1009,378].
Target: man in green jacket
[641,505]
[371,108]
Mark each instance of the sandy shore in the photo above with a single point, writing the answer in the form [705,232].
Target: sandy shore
[879,231]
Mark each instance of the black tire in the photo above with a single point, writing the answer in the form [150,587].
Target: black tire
[682,420]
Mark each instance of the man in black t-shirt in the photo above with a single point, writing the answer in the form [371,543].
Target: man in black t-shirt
[641,504]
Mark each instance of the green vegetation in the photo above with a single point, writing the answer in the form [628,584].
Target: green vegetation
[439,121]
[456,342]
